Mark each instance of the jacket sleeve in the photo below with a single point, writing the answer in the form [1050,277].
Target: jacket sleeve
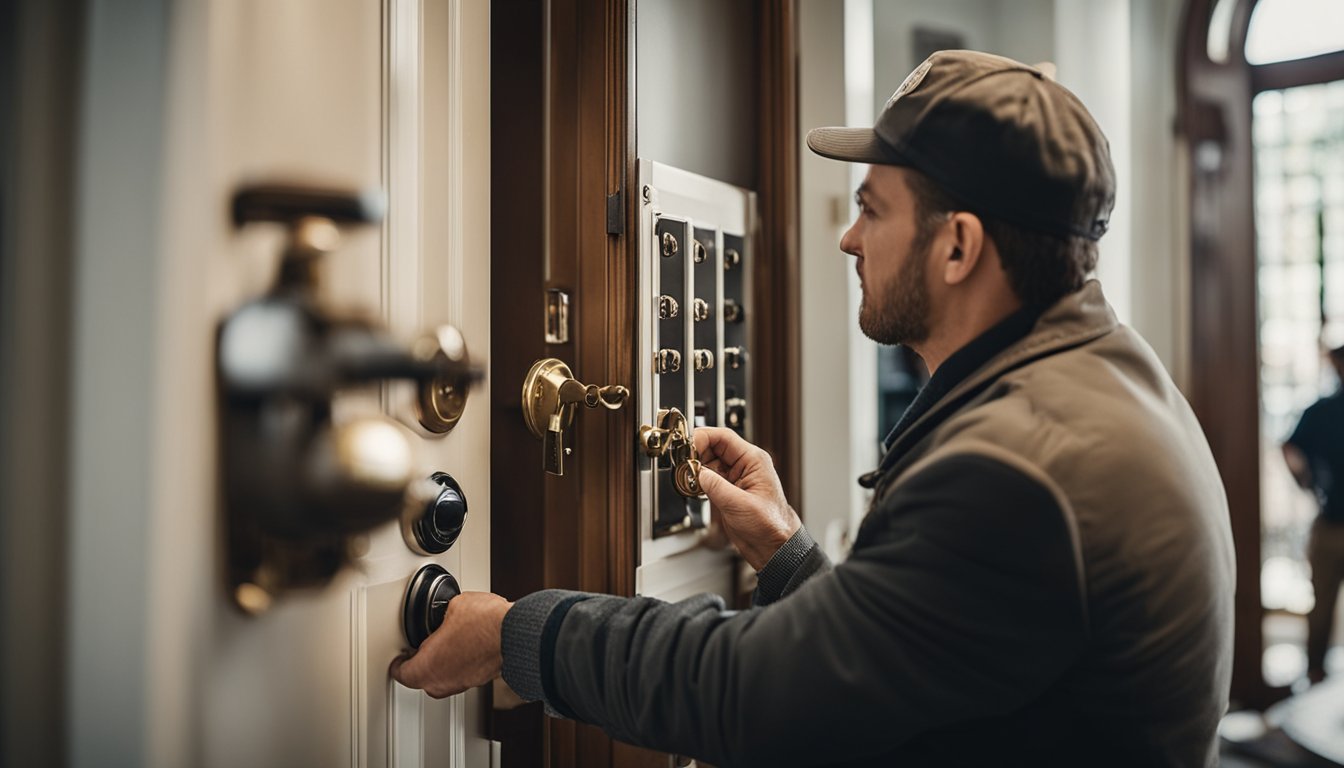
[962,600]
[798,560]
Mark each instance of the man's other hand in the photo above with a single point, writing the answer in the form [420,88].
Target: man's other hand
[745,493]
[464,652]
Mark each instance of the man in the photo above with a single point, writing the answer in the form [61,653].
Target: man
[1045,575]
[1315,456]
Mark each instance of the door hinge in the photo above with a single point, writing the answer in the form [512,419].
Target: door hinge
[616,213]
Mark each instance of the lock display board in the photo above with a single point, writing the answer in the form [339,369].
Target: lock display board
[695,249]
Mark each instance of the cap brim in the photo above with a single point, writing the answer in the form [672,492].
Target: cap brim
[854,145]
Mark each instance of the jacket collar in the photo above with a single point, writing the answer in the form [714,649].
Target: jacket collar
[1075,319]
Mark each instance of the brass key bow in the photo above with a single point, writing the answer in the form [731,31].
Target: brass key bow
[550,395]
[672,438]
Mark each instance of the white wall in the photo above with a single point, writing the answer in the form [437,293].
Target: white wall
[689,115]
[1159,205]
[1019,29]
[1093,54]
[117,268]
[833,435]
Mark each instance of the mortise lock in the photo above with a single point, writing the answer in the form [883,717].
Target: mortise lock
[550,394]
[671,438]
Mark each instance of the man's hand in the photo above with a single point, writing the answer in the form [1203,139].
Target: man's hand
[745,493]
[464,652]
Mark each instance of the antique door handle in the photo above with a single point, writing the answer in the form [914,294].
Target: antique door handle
[550,394]
[672,438]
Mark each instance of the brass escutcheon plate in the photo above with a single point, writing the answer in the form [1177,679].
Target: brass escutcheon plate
[541,394]
[440,402]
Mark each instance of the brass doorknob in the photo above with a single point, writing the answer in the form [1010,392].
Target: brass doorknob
[550,394]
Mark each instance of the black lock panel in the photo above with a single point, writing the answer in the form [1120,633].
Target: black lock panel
[735,336]
[426,602]
[443,516]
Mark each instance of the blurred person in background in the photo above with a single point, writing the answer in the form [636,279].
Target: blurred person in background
[1315,456]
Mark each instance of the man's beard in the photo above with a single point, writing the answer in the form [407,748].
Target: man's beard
[904,318]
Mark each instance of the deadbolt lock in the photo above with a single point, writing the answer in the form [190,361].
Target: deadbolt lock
[550,394]
[440,400]
[671,438]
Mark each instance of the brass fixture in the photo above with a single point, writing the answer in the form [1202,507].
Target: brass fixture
[698,252]
[668,361]
[440,400]
[732,311]
[671,438]
[704,360]
[667,307]
[550,394]
[731,258]
[734,357]
[700,310]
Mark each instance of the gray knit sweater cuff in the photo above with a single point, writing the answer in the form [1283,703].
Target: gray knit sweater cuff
[774,578]
[524,639]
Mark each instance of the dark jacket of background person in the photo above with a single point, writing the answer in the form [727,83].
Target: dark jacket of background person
[1320,437]
[1045,577]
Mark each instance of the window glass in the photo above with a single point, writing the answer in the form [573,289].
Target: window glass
[1294,29]
[1299,217]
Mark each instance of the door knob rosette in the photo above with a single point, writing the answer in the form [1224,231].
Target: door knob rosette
[550,395]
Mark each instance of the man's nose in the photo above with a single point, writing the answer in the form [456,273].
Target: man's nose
[849,242]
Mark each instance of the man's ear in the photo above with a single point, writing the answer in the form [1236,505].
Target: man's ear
[965,242]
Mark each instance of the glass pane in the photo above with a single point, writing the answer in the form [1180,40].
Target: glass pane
[1299,217]
[1294,29]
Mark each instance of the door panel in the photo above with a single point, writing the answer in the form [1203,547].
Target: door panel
[367,95]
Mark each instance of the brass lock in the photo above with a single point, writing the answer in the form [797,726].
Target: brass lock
[672,438]
[440,401]
[550,394]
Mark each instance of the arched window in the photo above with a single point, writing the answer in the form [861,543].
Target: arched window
[1284,30]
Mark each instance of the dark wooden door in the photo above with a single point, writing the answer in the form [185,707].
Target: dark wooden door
[563,217]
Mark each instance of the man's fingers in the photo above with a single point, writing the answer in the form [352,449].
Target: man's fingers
[410,671]
[721,492]
[721,443]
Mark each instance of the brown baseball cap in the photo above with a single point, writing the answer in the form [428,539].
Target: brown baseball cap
[996,134]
